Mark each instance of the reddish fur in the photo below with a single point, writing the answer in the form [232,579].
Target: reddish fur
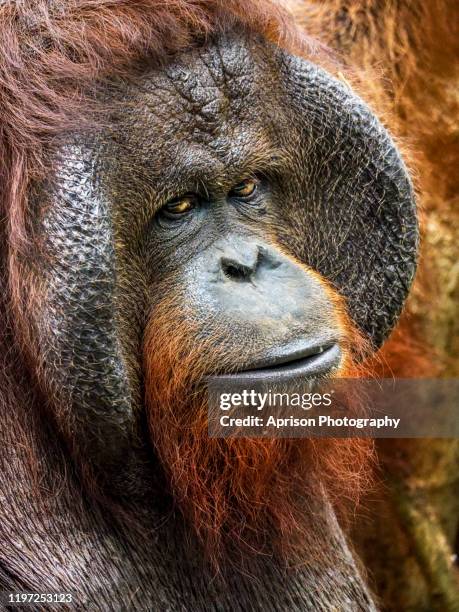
[50,65]
[235,491]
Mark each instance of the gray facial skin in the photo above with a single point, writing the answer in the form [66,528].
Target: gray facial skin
[331,189]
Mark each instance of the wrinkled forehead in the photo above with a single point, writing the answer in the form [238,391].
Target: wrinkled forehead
[215,101]
[220,81]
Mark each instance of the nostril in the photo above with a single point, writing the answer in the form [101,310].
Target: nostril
[235,270]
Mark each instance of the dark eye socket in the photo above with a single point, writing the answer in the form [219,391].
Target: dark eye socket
[244,189]
[178,207]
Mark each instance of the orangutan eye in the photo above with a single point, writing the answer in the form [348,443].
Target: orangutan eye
[179,206]
[244,189]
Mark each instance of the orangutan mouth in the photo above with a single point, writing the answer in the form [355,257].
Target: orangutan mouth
[307,362]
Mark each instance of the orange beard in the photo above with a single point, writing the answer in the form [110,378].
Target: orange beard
[241,496]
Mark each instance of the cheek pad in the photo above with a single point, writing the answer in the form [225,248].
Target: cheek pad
[79,330]
[358,213]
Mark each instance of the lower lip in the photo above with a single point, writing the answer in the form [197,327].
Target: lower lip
[319,364]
